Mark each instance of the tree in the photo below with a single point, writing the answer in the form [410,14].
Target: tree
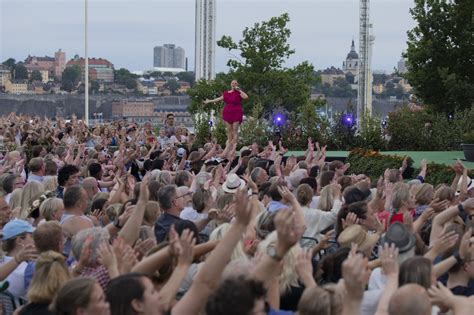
[260,69]
[95,86]
[9,63]
[172,85]
[36,76]
[125,77]
[70,78]
[187,77]
[439,54]
[21,73]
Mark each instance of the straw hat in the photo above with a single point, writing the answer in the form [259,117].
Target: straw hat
[358,235]
[232,184]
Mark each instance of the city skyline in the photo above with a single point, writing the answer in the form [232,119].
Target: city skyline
[125,33]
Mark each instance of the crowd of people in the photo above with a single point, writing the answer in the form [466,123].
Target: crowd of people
[122,219]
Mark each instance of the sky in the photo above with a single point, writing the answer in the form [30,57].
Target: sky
[125,31]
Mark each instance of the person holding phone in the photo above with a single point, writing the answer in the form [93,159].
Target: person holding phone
[233,112]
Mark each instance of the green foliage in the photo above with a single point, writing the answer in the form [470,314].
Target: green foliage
[440,50]
[9,63]
[311,124]
[70,78]
[36,76]
[260,68]
[373,164]
[202,128]
[21,73]
[172,85]
[125,77]
[255,128]
[187,77]
[343,136]
[219,131]
[95,86]
[422,130]
[203,90]
[468,137]
[370,134]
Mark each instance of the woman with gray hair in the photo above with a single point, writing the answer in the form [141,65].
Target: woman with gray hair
[85,249]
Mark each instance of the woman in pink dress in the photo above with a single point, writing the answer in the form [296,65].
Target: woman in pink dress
[233,112]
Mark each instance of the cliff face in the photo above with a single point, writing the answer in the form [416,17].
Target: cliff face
[52,105]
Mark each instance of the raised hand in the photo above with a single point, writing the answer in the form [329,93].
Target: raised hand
[287,232]
[253,187]
[144,191]
[388,255]
[286,194]
[141,248]
[350,219]
[441,296]
[106,256]
[26,253]
[444,242]
[243,209]
[186,243]
[304,268]
[355,273]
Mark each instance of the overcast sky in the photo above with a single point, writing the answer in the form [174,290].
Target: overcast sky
[125,31]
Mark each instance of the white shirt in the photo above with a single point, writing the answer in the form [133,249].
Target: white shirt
[314,202]
[16,279]
[188,213]
[317,220]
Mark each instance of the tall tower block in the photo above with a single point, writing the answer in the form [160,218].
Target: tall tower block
[205,44]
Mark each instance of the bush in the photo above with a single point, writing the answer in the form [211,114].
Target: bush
[255,128]
[420,130]
[373,164]
[370,134]
[202,128]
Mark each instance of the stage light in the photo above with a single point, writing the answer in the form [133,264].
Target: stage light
[279,119]
[348,119]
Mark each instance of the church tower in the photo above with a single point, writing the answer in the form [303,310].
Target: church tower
[352,61]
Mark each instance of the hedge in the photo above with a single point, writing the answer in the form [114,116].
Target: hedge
[373,164]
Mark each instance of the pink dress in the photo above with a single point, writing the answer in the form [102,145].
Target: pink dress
[233,111]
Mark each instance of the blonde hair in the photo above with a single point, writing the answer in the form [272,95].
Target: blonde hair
[326,198]
[424,194]
[328,301]
[401,194]
[288,276]
[15,199]
[445,193]
[30,191]
[50,275]
[50,183]
[152,212]
[219,233]
[49,207]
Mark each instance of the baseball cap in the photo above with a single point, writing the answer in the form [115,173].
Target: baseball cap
[16,227]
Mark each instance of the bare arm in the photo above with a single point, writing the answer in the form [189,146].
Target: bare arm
[208,276]
[184,251]
[215,100]
[131,229]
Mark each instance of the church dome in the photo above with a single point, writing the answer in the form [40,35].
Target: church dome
[352,54]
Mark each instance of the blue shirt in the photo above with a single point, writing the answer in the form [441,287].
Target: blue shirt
[163,225]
